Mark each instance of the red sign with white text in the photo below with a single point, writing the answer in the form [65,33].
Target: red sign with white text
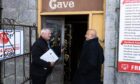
[131,1]
[129,67]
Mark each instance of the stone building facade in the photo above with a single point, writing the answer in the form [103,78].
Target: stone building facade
[25,12]
[111,74]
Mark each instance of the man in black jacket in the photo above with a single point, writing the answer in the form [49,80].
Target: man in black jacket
[40,69]
[89,70]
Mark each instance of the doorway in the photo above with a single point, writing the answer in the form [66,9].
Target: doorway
[75,29]
[72,29]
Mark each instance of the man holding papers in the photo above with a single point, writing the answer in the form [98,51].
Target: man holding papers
[40,67]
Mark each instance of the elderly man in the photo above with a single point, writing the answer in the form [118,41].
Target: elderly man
[89,70]
[40,69]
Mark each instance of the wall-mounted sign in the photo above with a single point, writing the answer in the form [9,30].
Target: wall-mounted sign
[129,36]
[71,5]
[11,43]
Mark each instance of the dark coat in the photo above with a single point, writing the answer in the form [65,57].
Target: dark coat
[89,70]
[39,68]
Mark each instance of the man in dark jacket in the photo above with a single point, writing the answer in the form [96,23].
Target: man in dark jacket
[89,70]
[40,69]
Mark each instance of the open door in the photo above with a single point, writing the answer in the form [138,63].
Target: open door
[57,25]
[68,31]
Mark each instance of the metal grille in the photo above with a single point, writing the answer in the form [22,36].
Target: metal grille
[15,57]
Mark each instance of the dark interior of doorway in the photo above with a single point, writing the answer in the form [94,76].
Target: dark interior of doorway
[75,29]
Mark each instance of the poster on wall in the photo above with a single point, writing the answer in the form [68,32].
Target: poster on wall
[129,36]
[11,43]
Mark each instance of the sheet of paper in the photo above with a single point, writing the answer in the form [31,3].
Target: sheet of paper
[49,56]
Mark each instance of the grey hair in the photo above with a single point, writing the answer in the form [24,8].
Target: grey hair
[45,29]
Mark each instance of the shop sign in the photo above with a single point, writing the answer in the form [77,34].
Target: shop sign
[71,5]
[129,36]
[11,44]
[54,4]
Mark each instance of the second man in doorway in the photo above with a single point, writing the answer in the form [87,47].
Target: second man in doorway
[91,59]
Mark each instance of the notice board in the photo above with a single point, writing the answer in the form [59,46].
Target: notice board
[129,36]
